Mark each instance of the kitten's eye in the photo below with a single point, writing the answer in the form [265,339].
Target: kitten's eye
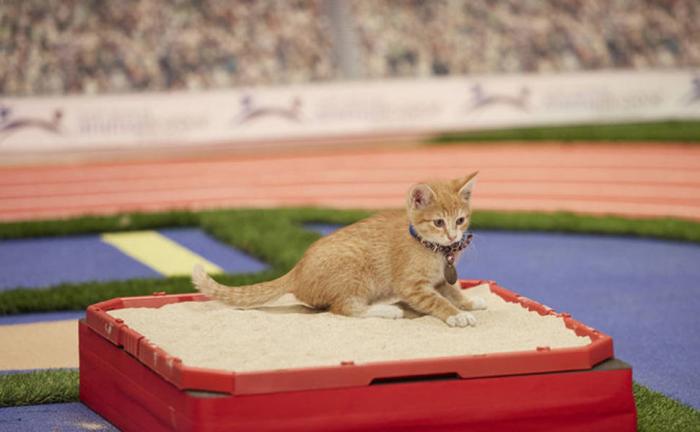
[460,220]
[439,223]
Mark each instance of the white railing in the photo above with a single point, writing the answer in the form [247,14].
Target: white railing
[342,109]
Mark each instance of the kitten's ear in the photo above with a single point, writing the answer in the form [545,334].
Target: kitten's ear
[420,196]
[467,186]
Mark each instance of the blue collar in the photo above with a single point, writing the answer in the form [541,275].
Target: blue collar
[413,232]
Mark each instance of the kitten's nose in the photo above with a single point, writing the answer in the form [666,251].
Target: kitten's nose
[451,237]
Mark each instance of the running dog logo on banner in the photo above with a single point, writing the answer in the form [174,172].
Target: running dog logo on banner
[694,96]
[480,99]
[251,111]
[10,123]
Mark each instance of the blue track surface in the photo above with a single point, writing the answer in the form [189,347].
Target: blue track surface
[42,262]
[644,293]
[70,417]
[41,317]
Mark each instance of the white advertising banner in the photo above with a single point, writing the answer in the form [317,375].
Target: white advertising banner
[342,109]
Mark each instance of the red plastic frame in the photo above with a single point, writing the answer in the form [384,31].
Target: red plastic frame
[135,398]
[346,374]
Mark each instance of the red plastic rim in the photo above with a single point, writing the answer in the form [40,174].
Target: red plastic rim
[345,374]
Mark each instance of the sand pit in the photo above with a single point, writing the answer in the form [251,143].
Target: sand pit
[287,335]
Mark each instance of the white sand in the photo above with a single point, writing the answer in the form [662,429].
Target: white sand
[213,335]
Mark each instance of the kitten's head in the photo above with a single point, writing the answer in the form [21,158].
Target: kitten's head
[440,211]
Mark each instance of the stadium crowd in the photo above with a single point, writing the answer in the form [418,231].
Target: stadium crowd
[92,46]
[439,37]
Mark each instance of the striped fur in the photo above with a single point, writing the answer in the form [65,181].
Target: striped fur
[244,296]
[375,260]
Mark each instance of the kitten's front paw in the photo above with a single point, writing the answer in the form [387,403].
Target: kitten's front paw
[462,319]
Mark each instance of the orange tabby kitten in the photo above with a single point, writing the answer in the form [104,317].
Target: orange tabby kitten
[377,260]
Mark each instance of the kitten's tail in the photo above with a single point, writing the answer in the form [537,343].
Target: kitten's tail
[240,296]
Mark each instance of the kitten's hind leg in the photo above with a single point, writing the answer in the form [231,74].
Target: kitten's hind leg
[358,308]
[384,311]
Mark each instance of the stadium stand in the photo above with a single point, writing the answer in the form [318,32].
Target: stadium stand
[422,38]
[84,46]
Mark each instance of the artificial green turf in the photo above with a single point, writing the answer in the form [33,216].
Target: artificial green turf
[97,224]
[278,238]
[661,228]
[668,131]
[658,413]
[79,296]
[39,387]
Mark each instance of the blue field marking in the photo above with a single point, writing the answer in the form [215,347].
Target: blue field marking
[323,229]
[31,318]
[645,293]
[230,259]
[44,262]
[65,417]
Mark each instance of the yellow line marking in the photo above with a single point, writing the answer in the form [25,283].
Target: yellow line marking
[158,252]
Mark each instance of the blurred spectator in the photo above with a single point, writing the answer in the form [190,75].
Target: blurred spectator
[439,37]
[93,46]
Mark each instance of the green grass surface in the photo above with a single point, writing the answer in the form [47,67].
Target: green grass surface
[278,238]
[661,228]
[655,411]
[39,387]
[668,131]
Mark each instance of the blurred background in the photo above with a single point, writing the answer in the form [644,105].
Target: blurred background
[89,81]
[226,128]
[89,78]
[68,47]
